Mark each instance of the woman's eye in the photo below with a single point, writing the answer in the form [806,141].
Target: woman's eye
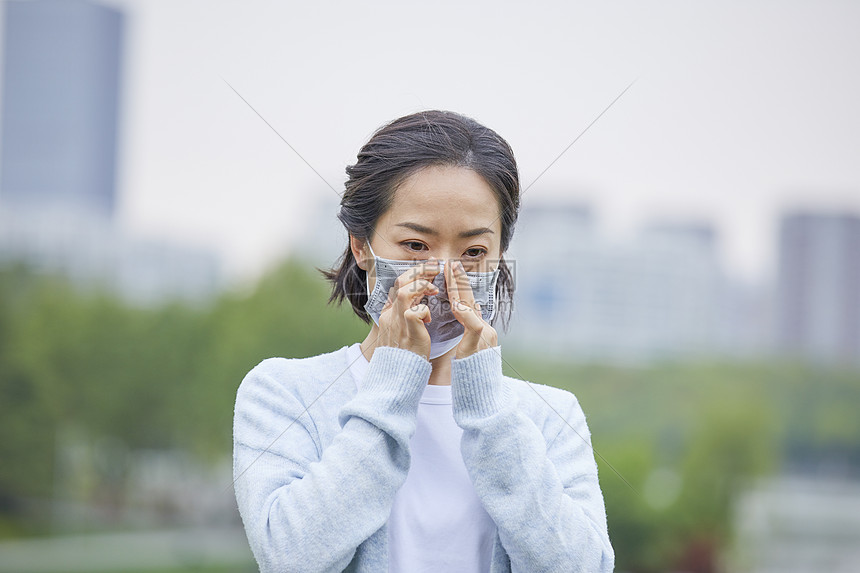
[414,245]
[475,252]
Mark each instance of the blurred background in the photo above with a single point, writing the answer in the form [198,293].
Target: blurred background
[689,267]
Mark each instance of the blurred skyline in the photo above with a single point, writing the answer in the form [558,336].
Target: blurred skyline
[738,111]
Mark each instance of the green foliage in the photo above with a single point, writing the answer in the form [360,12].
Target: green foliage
[148,377]
[28,411]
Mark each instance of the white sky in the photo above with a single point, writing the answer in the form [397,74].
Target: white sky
[739,109]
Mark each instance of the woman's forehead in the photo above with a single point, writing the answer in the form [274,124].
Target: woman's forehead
[445,197]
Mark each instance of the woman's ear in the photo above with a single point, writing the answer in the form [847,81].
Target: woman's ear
[359,251]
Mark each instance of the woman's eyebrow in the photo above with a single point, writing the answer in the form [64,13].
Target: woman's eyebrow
[476,232]
[428,231]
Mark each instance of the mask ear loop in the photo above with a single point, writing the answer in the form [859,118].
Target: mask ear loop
[367,273]
[492,294]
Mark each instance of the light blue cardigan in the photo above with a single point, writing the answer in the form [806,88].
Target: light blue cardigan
[315,488]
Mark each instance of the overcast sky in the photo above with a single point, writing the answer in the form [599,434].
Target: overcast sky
[739,109]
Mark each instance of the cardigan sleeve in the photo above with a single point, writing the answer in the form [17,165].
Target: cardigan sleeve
[307,508]
[541,491]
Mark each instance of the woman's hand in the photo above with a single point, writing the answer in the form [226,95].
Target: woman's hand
[478,333]
[402,319]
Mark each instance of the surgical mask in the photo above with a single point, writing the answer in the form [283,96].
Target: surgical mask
[444,329]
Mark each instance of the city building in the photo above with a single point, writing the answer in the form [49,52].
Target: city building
[818,286]
[60,107]
[62,68]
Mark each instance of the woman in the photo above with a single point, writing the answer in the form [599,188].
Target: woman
[411,451]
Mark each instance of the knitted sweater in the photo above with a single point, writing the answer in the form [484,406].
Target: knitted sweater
[317,462]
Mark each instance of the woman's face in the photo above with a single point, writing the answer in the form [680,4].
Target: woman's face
[442,212]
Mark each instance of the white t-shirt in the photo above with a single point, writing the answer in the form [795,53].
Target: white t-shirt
[437,522]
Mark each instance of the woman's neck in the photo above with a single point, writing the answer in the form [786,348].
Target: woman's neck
[439,376]
[441,373]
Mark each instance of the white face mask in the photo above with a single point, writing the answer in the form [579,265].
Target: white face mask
[445,331]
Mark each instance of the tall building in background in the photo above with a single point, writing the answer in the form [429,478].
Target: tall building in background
[61,83]
[62,68]
[819,286]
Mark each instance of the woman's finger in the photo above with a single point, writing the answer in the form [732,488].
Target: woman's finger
[450,285]
[411,294]
[477,334]
[390,300]
[423,271]
[460,295]
[415,283]
[418,337]
[467,316]
[417,315]
[461,284]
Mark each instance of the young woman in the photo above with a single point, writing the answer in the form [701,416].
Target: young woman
[411,451]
